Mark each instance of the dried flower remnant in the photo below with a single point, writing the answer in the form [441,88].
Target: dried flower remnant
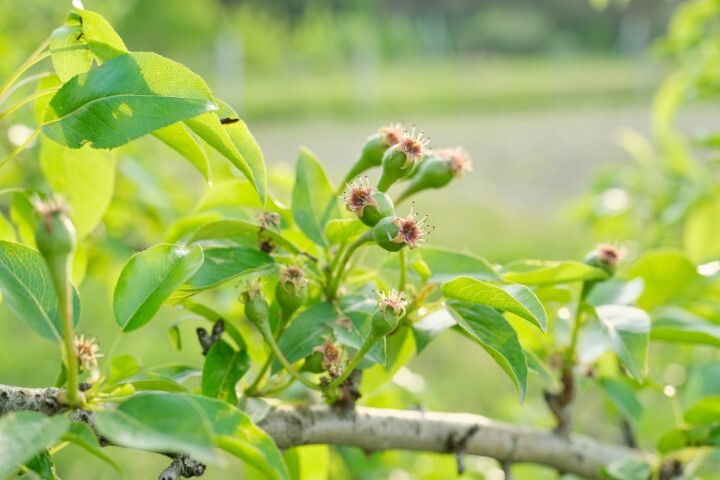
[459,159]
[369,204]
[410,230]
[86,350]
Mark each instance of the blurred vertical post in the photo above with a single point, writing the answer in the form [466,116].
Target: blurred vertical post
[230,68]
[364,73]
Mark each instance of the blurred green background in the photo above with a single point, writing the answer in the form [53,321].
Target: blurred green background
[538,91]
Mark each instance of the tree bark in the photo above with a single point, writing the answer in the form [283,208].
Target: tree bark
[375,429]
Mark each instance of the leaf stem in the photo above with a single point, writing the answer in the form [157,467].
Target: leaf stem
[403,270]
[364,349]
[577,322]
[340,270]
[28,99]
[19,149]
[270,339]
[38,55]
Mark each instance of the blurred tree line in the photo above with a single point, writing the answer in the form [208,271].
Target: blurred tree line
[280,33]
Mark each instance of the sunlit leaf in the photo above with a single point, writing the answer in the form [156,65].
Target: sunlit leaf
[313,199]
[629,329]
[513,298]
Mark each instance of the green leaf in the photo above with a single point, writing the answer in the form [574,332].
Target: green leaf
[223,368]
[310,462]
[627,469]
[313,198]
[701,235]
[26,434]
[447,264]
[344,230]
[629,329]
[668,275]
[234,432]
[540,272]
[430,326]
[148,280]
[159,422]
[496,336]
[223,264]
[240,233]
[69,51]
[85,178]
[208,127]
[123,367]
[43,466]
[83,436]
[616,292]
[680,326]
[28,290]
[104,42]
[177,137]
[245,143]
[622,395]
[306,331]
[130,96]
[513,298]
[705,411]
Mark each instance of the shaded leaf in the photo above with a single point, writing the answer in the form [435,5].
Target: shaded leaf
[496,336]
[26,434]
[83,436]
[431,326]
[680,326]
[622,396]
[629,329]
[148,279]
[313,198]
[28,290]
[177,137]
[223,368]
[159,422]
[542,272]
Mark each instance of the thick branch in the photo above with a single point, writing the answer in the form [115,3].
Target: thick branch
[373,429]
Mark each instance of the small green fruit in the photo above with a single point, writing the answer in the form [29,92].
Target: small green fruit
[256,309]
[314,363]
[368,204]
[55,234]
[399,161]
[385,233]
[605,257]
[374,148]
[438,171]
[393,233]
[391,309]
[291,292]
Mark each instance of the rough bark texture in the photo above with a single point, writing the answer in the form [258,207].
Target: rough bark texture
[374,429]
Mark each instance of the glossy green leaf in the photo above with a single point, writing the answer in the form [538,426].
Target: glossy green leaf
[26,434]
[680,326]
[222,264]
[130,96]
[309,462]
[149,278]
[705,411]
[542,272]
[344,230]
[159,422]
[445,265]
[28,290]
[103,41]
[629,330]
[513,298]
[86,179]
[307,330]
[224,367]
[313,198]
[496,336]
[208,127]
[83,436]
[622,395]
[178,137]
[234,432]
